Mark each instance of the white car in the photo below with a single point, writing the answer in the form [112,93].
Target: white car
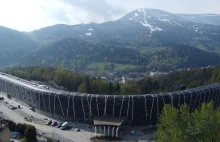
[45,86]
[12,107]
[64,126]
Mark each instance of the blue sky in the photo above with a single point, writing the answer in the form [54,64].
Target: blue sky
[27,15]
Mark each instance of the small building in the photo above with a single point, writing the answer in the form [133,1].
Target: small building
[104,78]
[108,126]
[157,73]
[123,80]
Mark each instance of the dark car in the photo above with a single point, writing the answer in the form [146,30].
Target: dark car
[1,98]
[77,130]
[54,123]
[59,125]
[49,122]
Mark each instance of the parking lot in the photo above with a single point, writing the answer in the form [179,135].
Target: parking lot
[39,121]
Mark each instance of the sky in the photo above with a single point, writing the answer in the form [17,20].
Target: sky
[28,15]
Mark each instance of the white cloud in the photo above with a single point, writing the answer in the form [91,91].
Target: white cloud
[26,15]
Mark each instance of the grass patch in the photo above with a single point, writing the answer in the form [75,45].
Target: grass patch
[24,140]
[124,66]
[100,67]
[51,140]
[150,49]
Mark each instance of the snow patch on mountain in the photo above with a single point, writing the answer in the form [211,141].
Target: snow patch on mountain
[210,15]
[135,15]
[165,20]
[88,34]
[90,29]
[195,28]
[146,24]
[177,23]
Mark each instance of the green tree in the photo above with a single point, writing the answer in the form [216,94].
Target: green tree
[202,125]
[110,88]
[87,85]
[118,88]
[30,134]
[82,88]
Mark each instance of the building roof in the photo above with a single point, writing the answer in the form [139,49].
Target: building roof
[108,121]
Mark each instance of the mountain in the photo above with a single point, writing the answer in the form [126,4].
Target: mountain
[78,54]
[13,45]
[142,39]
[212,19]
[139,28]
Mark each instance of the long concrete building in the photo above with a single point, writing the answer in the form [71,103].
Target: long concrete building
[137,109]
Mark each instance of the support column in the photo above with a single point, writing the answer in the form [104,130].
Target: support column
[100,130]
[113,131]
[95,131]
[108,130]
[157,109]
[117,132]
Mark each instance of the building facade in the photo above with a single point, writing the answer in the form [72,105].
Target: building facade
[138,109]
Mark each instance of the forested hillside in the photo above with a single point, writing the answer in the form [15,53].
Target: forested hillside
[78,54]
[13,46]
[144,40]
[72,81]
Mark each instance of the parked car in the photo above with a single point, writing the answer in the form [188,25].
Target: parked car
[44,86]
[49,122]
[59,125]
[1,98]
[34,84]
[31,108]
[64,126]
[12,107]
[54,123]
[77,130]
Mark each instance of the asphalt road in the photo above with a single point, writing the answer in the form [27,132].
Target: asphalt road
[18,115]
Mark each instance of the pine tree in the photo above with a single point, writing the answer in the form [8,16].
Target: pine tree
[118,88]
[110,88]
[87,85]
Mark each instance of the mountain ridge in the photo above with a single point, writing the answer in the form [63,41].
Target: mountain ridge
[138,39]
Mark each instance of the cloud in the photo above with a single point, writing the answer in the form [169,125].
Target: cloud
[97,7]
[27,15]
[58,14]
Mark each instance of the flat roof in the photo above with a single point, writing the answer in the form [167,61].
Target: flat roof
[108,121]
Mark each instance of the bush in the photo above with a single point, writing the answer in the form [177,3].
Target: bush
[28,131]
[30,134]
[11,125]
[21,128]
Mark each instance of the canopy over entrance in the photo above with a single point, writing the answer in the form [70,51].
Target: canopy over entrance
[107,125]
[108,121]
